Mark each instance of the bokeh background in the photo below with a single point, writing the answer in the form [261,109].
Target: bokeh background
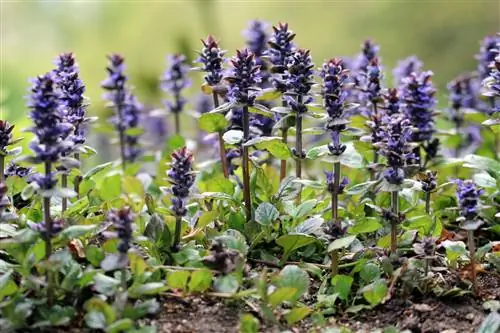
[445,34]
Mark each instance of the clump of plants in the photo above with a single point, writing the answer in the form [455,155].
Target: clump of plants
[331,177]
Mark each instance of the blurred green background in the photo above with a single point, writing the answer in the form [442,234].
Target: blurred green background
[444,34]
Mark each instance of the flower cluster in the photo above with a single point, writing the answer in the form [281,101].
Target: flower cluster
[71,90]
[462,94]
[405,67]
[333,90]
[393,102]
[182,177]
[257,44]
[395,146]
[57,227]
[49,128]
[231,156]
[281,48]
[122,220]
[492,85]
[417,94]
[299,81]
[330,176]
[335,147]
[428,181]
[127,109]
[426,247]
[212,59]
[373,81]
[175,80]
[5,136]
[487,54]
[468,196]
[244,77]
[14,169]
[369,50]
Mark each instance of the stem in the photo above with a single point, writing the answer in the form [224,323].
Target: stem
[395,210]
[284,135]
[2,168]
[496,140]
[472,253]
[177,123]
[222,148]
[428,203]
[64,184]
[246,171]
[298,149]
[375,161]
[335,194]
[122,149]
[124,278]
[335,262]
[77,179]
[119,98]
[48,238]
[177,234]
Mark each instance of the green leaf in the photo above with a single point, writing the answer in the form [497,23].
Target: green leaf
[297,314]
[365,225]
[342,285]
[151,288]
[233,137]
[309,226]
[137,264]
[7,285]
[341,243]
[121,325]
[212,122]
[95,170]
[178,279]
[274,145]
[95,320]
[292,242]
[98,306]
[351,158]
[174,142]
[268,94]
[316,152]
[200,281]
[28,191]
[15,184]
[369,272]
[314,184]
[281,295]
[94,255]
[77,231]
[291,276]
[375,292]
[249,324]
[361,188]
[304,208]
[105,285]
[481,163]
[266,214]
[483,179]
[111,187]
[206,218]
[226,284]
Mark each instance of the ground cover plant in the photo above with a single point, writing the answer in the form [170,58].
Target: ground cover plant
[313,197]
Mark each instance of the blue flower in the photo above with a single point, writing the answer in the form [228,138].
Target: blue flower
[131,118]
[49,128]
[300,76]
[369,50]
[468,196]
[57,227]
[333,90]
[122,220]
[182,177]
[281,48]
[175,80]
[212,59]
[417,94]
[243,79]
[405,67]
[462,94]
[492,85]
[5,136]
[14,169]
[487,53]
[330,176]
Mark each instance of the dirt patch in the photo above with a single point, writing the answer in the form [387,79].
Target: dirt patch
[425,315]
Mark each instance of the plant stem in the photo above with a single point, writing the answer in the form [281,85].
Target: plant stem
[177,233]
[122,149]
[335,194]
[48,238]
[2,168]
[177,123]
[246,166]
[124,278]
[298,148]
[428,203]
[472,254]
[222,148]
[64,184]
[284,135]
[395,210]
[77,179]
[334,255]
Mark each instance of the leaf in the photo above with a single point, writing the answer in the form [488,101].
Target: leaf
[206,218]
[341,243]
[29,190]
[137,264]
[274,145]
[226,284]
[151,288]
[94,255]
[266,214]
[281,295]
[249,324]
[369,272]
[233,137]
[365,225]
[233,239]
[342,285]
[304,208]
[214,195]
[310,226]
[291,276]
[95,170]
[296,315]
[121,325]
[174,142]
[95,320]
[483,179]
[200,281]
[99,306]
[481,163]
[375,292]
[361,188]
[111,187]
[7,286]
[351,158]
[268,94]
[77,231]
[316,152]
[490,324]
[213,122]
[314,184]
[178,279]
[105,285]
[292,242]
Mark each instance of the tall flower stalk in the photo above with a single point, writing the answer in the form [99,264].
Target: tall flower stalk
[72,102]
[468,196]
[405,67]
[243,80]
[181,176]
[281,49]
[372,90]
[5,141]
[174,81]
[212,60]
[492,91]
[48,146]
[299,81]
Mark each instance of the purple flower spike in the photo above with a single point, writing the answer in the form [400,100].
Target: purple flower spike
[175,80]
[182,177]
[5,136]
[492,85]
[212,60]
[418,98]
[487,54]
[333,90]
[281,49]
[468,196]
[123,220]
[405,67]
[243,79]
[330,176]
